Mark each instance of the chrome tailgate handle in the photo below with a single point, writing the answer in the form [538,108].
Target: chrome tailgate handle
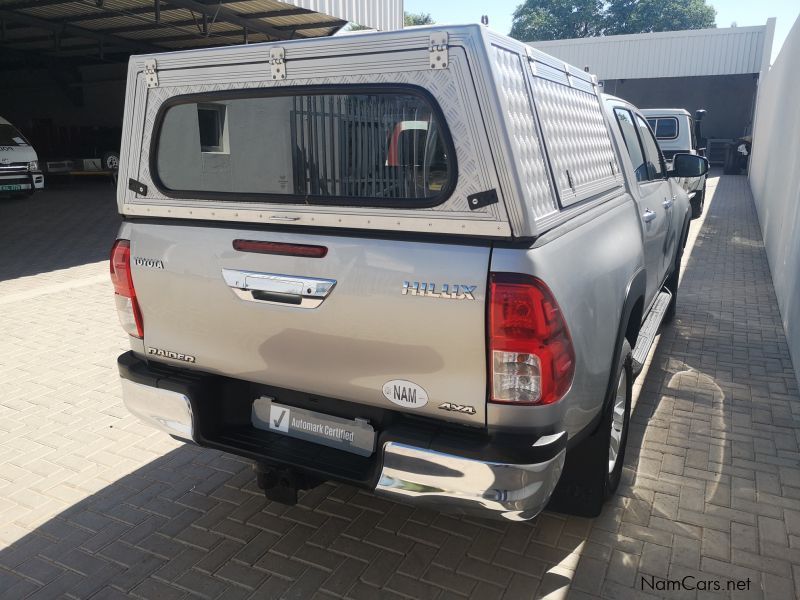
[274,288]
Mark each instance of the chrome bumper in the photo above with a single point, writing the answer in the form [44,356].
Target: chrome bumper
[457,484]
[410,474]
[166,410]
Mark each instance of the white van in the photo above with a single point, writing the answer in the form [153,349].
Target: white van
[678,132]
[19,164]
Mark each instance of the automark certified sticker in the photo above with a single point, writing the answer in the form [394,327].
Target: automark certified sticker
[405,393]
[351,435]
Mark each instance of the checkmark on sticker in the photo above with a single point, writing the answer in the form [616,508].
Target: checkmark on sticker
[279,418]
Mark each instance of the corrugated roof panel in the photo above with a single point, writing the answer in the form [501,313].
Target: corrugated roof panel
[722,51]
[131,24]
[384,15]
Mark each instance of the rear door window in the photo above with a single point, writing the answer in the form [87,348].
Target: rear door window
[652,154]
[347,145]
[632,144]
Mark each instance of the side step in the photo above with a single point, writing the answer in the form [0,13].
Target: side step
[649,330]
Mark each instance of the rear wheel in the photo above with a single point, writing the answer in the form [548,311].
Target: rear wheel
[674,279]
[593,468]
[672,285]
[619,419]
[698,202]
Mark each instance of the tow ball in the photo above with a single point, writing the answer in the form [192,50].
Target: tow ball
[281,484]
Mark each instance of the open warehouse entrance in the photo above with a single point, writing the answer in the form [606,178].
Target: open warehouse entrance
[63,62]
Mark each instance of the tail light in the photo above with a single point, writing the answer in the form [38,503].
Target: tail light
[531,358]
[124,294]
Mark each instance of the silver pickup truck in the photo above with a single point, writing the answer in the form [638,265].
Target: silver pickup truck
[428,262]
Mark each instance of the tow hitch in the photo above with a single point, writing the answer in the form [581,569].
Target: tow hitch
[281,484]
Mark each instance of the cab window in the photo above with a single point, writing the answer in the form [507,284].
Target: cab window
[632,144]
[652,155]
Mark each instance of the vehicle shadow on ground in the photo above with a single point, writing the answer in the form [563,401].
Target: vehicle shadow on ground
[194,521]
[714,403]
[63,226]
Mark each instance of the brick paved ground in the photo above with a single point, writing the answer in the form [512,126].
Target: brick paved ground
[94,505]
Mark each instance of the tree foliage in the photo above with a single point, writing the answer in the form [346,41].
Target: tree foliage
[560,19]
[411,19]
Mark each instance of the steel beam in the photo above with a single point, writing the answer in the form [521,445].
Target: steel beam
[24,4]
[193,22]
[59,28]
[220,13]
[317,25]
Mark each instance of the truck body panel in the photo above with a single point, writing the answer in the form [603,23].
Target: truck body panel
[366,333]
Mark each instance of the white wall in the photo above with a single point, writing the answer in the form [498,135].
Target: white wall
[257,158]
[692,53]
[775,181]
[385,15]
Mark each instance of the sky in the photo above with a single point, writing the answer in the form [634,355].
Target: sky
[742,12]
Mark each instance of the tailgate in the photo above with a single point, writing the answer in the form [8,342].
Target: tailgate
[370,322]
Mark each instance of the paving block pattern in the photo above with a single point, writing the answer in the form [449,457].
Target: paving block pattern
[95,505]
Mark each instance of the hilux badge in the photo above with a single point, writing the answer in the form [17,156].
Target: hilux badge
[448,291]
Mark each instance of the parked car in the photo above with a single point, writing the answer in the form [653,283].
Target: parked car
[676,131]
[19,165]
[450,314]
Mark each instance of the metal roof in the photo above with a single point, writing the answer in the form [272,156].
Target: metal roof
[721,51]
[113,29]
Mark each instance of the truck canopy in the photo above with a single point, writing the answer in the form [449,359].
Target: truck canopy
[439,130]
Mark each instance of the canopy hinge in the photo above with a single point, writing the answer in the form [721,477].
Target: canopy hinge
[277,61]
[437,49]
[151,72]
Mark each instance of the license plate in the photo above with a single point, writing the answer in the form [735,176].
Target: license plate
[14,187]
[356,436]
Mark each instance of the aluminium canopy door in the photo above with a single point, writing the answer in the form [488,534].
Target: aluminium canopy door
[285,154]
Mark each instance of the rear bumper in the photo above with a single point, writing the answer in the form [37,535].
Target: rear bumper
[461,470]
[448,482]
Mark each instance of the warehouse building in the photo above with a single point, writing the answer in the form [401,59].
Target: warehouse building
[713,69]
[63,62]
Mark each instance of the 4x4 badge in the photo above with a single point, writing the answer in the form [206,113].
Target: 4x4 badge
[462,408]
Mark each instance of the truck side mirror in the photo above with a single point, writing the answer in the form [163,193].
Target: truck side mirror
[688,165]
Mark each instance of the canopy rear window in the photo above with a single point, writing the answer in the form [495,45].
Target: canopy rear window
[665,128]
[362,145]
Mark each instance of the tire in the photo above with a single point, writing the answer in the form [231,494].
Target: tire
[593,468]
[698,202]
[111,161]
[674,278]
[672,285]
